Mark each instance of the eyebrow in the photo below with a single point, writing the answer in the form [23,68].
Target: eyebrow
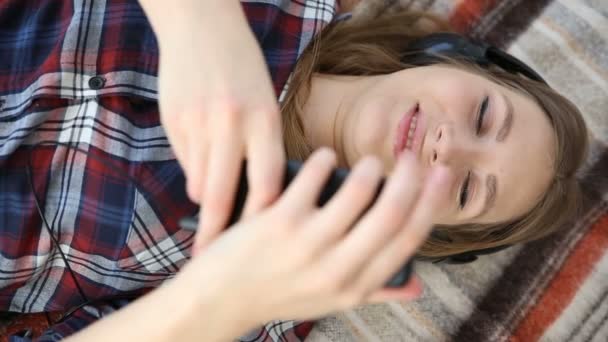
[507,122]
[491,194]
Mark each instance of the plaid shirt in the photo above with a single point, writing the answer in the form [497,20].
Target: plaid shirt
[78,92]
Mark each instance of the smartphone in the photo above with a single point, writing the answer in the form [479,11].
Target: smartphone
[334,182]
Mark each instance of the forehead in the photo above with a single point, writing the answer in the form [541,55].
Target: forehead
[524,161]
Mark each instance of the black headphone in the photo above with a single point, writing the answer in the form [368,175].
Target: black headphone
[432,49]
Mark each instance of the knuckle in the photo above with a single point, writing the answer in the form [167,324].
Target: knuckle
[268,116]
[362,186]
[228,110]
[266,189]
[391,214]
[228,103]
[219,202]
[231,118]
[336,283]
[265,197]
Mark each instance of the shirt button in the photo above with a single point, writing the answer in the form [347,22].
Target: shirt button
[97,82]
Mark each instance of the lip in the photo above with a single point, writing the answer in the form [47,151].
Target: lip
[403,128]
[419,132]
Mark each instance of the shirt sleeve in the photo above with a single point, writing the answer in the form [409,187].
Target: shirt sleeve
[78,320]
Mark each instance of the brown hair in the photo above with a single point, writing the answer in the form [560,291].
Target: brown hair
[378,46]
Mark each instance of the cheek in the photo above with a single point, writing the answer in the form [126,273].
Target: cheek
[451,98]
[372,131]
[367,129]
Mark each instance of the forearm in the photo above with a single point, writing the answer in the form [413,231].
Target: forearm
[169,313]
[168,16]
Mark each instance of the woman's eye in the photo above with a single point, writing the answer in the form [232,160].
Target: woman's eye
[482,113]
[464,191]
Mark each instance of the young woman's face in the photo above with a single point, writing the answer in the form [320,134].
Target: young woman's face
[498,144]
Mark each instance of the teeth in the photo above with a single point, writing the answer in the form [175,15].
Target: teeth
[412,129]
[410,133]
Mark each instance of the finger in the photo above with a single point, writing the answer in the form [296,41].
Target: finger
[302,194]
[196,169]
[347,205]
[379,224]
[410,237]
[178,142]
[224,168]
[412,290]
[385,217]
[265,163]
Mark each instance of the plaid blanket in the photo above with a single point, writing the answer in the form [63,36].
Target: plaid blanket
[551,290]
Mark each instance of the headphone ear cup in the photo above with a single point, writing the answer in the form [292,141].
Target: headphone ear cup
[459,259]
[468,257]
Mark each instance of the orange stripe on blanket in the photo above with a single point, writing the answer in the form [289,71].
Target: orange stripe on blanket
[468,12]
[562,288]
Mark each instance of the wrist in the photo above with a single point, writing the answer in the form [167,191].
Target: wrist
[209,304]
[173,312]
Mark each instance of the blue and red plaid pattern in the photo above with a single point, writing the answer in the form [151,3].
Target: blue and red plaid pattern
[78,92]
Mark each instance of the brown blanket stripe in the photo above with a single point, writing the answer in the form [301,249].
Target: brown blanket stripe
[523,281]
[566,282]
[496,22]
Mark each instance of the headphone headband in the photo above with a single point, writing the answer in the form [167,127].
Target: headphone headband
[453,45]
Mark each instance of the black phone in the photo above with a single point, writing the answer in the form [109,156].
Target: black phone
[331,187]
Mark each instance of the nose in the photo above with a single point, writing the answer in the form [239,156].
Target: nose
[448,149]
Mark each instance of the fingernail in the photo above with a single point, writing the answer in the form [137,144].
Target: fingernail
[326,152]
[371,161]
[419,292]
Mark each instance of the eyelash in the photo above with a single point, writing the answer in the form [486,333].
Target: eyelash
[464,192]
[482,114]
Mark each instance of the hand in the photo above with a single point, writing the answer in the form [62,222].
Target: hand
[218,107]
[294,260]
